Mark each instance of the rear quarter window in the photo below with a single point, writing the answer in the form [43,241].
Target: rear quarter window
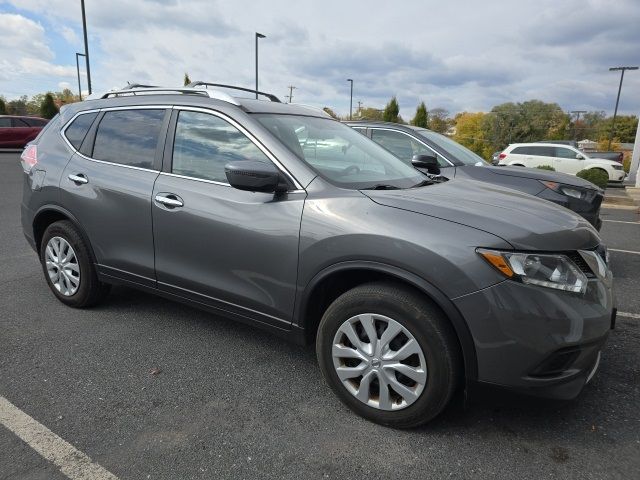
[78,129]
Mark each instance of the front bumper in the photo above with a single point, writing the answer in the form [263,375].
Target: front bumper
[537,340]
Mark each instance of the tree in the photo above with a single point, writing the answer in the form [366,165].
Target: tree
[470,132]
[3,106]
[369,113]
[625,130]
[17,106]
[439,120]
[391,111]
[187,80]
[330,112]
[48,108]
[422,117]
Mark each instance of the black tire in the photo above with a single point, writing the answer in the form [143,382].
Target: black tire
[90,290]
[424,321]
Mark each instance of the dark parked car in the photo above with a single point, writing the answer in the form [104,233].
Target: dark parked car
[457,161]
[279,216]
[16,132]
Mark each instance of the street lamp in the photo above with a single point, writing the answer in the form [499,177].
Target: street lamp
[350,98]
[78,70]
[615,112]
[86,46]
[258,35]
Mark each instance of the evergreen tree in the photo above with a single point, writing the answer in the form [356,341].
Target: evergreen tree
[391,111]
[422,117]
[187,80]
[3,107]
[48,108]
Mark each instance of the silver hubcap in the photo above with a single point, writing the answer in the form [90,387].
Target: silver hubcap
[379,361]
[62,266]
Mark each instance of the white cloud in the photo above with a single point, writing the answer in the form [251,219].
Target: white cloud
[69,34]
[458,55]
[63,85]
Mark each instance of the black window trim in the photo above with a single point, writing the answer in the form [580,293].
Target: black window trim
[91,134]
[168,147]
[451,164]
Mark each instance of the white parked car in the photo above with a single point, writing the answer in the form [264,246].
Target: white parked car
[563,158]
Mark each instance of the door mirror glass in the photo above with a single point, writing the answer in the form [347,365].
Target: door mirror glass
[428,162]
[254,176]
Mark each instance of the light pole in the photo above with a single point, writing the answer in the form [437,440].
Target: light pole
[86,46]
[258,35]
[615,112]
[350,98]
[78,70]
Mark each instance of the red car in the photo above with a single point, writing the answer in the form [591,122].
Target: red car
[16,132]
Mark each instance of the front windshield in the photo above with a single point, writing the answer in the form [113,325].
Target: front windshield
[340,154]
[455,150]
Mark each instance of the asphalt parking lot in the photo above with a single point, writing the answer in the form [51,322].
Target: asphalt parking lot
[148,388]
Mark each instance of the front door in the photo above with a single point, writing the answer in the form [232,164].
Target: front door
[227,248]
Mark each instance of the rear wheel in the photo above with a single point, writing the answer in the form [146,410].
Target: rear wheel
[389,354]
[67,266]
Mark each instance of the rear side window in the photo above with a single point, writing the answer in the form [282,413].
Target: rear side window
[542,151]
[5,122]
[129,137]
[35,122]
[204,144]
[520,151]
[78,129]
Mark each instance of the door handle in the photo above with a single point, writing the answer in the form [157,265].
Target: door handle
[78,179]
[169,200]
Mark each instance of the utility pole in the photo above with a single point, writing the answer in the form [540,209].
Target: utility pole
[290,96]
[258,35]
[359,108]
[86,46]
[615,112]
[78,70]
[350,98]
[575,130]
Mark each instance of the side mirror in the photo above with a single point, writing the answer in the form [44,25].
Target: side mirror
[254,176]
[579,156]
[428,162]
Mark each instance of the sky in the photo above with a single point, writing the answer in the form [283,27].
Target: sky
[457,55]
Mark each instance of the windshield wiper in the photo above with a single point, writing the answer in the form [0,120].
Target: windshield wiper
[424,183]
[382,186]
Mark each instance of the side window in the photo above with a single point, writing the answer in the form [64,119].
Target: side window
[129,137]
[19,123]
[565,153]
[78,129]
[362,130]
[521,151]
[542,151]
[204,144]
[5,122]
[403,146]
[35,122]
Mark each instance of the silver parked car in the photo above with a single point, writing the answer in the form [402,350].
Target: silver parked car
[281,217]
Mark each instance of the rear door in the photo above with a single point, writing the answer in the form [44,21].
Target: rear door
[107,185]
[227,248]
[22,132]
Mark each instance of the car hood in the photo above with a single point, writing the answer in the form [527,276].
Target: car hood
[604,161]
[542,175]
[524,221]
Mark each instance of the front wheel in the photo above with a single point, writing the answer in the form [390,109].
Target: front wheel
[389,354]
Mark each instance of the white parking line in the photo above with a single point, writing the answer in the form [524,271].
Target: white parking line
[621,221]
[71,461]
[628,315]
[623,251]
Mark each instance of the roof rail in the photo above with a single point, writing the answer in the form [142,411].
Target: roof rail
[270,96]
[136,89]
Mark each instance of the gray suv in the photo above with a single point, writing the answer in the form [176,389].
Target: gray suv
[279,216]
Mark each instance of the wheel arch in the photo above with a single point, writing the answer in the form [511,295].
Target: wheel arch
[336,279]
[48,214]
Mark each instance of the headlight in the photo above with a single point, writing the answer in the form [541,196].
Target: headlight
[565,190]
[546,270]
[617,167]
